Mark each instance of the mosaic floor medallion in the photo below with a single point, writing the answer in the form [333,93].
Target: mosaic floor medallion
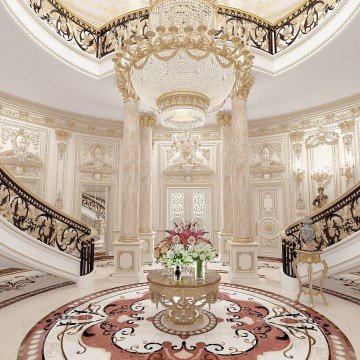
[245,323]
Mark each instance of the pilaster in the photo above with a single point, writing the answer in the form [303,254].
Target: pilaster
[146,234]
[62,137]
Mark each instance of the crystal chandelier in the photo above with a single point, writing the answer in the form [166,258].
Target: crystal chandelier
[184,63]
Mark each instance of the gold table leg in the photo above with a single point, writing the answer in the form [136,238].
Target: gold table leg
[323,277]
[294,266]
[309,269]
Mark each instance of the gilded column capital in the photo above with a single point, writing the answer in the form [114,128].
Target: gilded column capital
[123,79]
[297,135]
[223,118]
[62,135]
[147,121]
[347,126]
[243,78]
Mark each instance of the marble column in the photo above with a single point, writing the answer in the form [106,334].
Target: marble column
[146,233]
[243,250]
[226,233]
[128,247]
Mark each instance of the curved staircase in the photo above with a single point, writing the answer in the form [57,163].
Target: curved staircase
[36,235]
[337,234]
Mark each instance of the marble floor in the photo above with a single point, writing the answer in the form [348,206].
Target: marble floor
[28,296]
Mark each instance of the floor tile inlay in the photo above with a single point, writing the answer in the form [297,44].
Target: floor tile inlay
[245,323]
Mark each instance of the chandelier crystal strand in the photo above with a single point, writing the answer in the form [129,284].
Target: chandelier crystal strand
[186,64]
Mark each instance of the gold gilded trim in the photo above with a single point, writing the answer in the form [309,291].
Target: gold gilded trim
[183,98]
[146,9]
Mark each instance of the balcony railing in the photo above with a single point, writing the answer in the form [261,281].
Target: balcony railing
[43,222]
[332,223]
[265,36]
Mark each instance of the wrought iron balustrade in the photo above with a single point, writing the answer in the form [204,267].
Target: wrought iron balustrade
[332,223]
[265,36]
[95,205]
[42,221]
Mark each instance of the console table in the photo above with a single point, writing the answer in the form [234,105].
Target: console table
[183,298]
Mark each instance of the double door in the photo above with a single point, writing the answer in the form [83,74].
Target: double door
[189,205]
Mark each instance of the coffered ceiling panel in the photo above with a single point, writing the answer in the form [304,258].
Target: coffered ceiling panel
[99,12]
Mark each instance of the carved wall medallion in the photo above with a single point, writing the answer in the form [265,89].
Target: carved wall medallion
[97,162]
[266,161]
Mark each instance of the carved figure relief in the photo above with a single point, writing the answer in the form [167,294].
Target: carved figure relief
[266,162]
[97,162]
[22,150]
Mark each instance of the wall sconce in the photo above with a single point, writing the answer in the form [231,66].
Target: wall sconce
[348,172]
[322,176]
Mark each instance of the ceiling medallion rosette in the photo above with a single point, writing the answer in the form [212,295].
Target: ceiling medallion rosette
[185,63]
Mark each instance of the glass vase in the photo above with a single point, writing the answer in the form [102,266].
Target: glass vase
[200,269]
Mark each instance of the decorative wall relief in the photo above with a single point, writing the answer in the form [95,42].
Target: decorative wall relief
[347,169]
[298,172]
[61,141]
[267,162]
[97,162]
[23,153]
[23,156]
[187,153]
[322,136]
[322,144]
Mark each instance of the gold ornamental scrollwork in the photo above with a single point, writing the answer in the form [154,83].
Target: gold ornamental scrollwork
[147,121]
[244,80]
[223,118]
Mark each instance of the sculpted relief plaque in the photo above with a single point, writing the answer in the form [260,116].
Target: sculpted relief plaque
[266,162]
[97,162]
[21,151]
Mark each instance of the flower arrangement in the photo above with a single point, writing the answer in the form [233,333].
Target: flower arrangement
[184,244]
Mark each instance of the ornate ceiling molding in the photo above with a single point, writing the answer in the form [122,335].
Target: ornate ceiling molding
[98,42]
[335,112]
[34,113]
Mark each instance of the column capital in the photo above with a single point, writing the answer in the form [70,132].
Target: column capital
[223,118]
[297,135]
[62,135]
[243,84]
[147,121]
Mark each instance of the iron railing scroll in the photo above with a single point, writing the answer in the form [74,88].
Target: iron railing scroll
[40,220]
[332,224]
[99,42]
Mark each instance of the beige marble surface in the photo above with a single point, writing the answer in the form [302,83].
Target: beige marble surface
[19,318]
[226,183]
[242,209]
[145,203]
[130,173]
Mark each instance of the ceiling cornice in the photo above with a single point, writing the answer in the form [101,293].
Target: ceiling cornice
[56,118]
[35,113]
[309,113]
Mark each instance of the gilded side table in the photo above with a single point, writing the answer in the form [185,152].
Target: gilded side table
[310,258]
[183,298]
